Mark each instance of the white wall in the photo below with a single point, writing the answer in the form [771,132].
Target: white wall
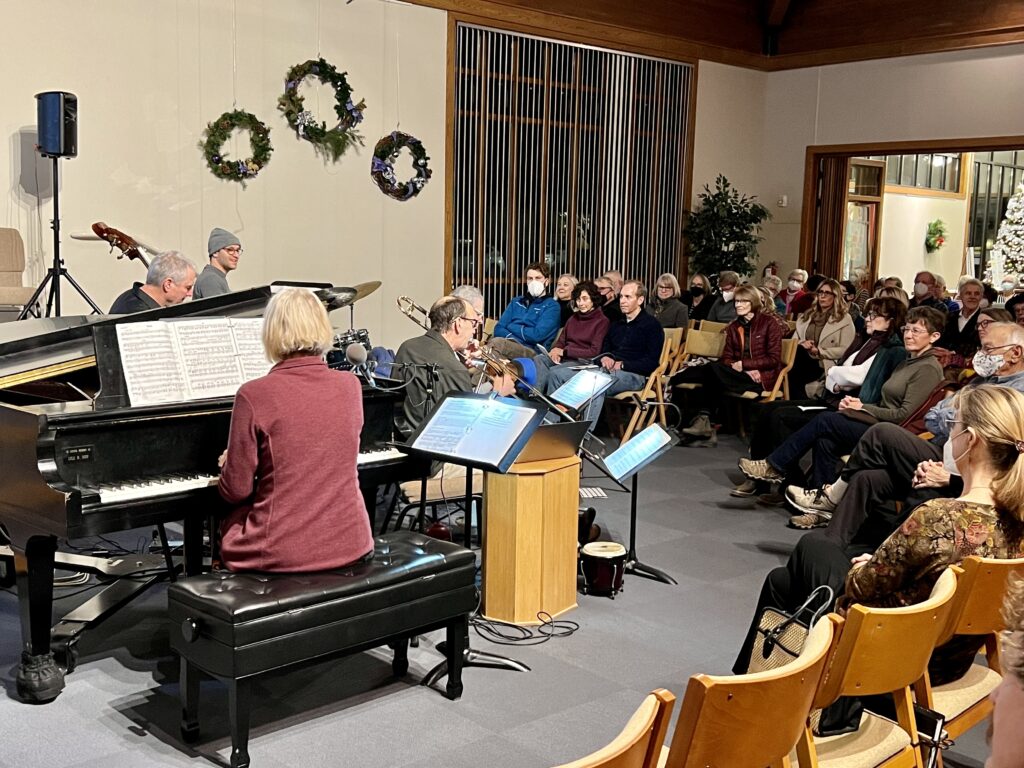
[947,95]
[150,75]
[905,220]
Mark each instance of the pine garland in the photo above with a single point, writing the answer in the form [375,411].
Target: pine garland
[218,132]
[332,143]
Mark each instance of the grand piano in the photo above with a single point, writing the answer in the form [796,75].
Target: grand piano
[76,462]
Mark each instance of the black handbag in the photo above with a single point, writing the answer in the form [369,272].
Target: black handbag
[781,636]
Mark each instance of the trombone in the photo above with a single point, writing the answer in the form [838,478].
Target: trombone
[411,309]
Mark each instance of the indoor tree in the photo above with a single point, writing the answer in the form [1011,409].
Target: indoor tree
[723,232]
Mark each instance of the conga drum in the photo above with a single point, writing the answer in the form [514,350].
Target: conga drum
[603,563]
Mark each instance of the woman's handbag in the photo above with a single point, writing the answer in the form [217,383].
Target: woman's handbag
[781,636]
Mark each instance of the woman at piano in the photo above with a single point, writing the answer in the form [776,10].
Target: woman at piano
[290,465]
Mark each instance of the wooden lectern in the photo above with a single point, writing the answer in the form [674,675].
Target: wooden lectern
[529,548]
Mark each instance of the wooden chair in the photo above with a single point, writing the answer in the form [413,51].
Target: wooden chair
[880,650]
[489,324]
[698,344]
[781,387]
[649,402]
[750,721]
[639,743]
[12,264]
[709,326]
[976,610]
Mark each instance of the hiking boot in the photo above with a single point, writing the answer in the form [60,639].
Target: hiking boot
[760,469]
[810,500]
[700,427]
[744,489]
[810,520]
[773,499]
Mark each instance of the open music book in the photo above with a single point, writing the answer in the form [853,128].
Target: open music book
[167,361]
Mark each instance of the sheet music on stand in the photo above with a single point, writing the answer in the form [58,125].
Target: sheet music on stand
[582,388]
[638,452]
[481,431]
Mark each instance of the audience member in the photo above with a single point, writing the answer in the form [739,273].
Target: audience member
[1015,307]
[563,295]
[533,318]
[699,298]
[824,332]
[723,311]
[850,297]
[862,282]
[895,293]
[615,278]
[751,362]
[768,308]
[942,294]
[610,300]
[583,336]
[801,304]
[774,285]
[893,281]
[832,434]
[924,292]
[471,294]
[630,353]
[1006,291]
[959,340]
[794,288]
[865,366]
[666,306]
[1007,737]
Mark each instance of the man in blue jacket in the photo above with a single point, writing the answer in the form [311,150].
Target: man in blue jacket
[533,318]
[631,352]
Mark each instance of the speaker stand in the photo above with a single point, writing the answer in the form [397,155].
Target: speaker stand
[57,270]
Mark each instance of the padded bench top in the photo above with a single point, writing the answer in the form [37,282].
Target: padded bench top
[398,558]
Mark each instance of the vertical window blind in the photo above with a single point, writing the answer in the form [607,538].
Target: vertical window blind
[568,154]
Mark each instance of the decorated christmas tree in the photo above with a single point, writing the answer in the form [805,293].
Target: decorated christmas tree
[1007,254]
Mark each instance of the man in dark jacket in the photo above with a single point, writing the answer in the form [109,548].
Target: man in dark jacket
[169,280]
[631,351]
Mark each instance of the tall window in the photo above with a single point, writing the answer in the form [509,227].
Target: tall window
[996,176]
[567,154]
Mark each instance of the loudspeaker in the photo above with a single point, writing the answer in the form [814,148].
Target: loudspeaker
[57,123]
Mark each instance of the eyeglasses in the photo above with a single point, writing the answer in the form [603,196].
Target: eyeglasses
[914,330]
[984,323]
[875,315]
[234,249]
[826,293]
[474,320]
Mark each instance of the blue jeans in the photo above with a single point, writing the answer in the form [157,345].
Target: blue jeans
[622,381]
[830,435]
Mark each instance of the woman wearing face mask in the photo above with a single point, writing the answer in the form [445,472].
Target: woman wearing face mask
[750,363]
[1006,292]
[824,332]
[563,295]
[529,320]
[986,447]
[699,298]
[584,333]
[667,307]
[723,311]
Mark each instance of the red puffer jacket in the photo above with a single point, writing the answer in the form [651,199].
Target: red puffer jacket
[765,347]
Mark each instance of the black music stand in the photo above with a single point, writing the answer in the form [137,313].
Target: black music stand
[483,432]
[625,462]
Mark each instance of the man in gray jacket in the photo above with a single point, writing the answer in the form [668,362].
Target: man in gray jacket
[224,249]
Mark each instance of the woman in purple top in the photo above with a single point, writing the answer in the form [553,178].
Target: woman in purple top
[290,465]
[584,332]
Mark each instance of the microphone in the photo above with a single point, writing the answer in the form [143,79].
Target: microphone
[355,354]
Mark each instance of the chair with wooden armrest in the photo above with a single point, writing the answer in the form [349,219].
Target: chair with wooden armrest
[976,610]
[754,720]
[649,402]
[710,326]
[639,743]
[781,387]
[880,651]
[698,344]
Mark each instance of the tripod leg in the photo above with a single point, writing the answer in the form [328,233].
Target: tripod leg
[27,309]
[81,291]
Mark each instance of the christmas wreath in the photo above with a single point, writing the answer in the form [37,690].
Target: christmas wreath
[218,132]
[331,143]
[382,167]
[935,237]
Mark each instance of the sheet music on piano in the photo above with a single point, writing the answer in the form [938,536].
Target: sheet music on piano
[166,361]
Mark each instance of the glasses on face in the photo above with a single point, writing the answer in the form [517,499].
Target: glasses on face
[875,316]
[826,293]
[984,323]
[914,330]
[474,320]
[234,249]
[664,287]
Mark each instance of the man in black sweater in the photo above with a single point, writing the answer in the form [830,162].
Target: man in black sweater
[631,351]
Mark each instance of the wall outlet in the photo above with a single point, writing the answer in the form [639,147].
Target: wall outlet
[783,201]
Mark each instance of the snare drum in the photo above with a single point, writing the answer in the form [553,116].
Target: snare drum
[603,564]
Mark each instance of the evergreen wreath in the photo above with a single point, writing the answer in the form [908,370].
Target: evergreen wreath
[218,132]
[382,168]
[331,143]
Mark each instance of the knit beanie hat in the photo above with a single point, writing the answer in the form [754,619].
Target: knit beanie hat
[221,238]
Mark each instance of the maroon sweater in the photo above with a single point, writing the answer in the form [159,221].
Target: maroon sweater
[291,471]
[583,335]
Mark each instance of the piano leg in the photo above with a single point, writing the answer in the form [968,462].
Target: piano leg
[39,679]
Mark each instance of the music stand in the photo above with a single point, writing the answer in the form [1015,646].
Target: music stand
[483,432]
[57,269]
[626,462]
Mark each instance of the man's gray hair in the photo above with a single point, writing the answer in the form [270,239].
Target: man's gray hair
[471,294]
[169,264]
[1014,332]
[445,311]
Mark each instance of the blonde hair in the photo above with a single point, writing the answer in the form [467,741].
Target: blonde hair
[767,301]
[996,415]
[749,293]
[295,323]
[839,306]
[893,293]
[669,278]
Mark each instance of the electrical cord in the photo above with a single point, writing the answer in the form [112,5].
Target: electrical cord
[505,633]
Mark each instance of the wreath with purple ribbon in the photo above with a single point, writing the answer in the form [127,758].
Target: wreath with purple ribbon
[217,133]
[382,168]
[334,142]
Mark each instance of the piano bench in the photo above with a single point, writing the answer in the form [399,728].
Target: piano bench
[234,626]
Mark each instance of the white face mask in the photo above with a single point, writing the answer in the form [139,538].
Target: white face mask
[948,460]
[983,304]
[920,289]
[986,365]
[535,288]
[795,285]
[727,295]
[1006,286]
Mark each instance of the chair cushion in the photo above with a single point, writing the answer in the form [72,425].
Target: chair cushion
[16,296]
[876,740]
[959,696]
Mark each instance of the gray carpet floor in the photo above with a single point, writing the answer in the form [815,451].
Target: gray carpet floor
[120,707]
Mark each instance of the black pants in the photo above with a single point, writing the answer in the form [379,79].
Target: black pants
[805,370]
[879,473]
[815,560]
[715,379]
[776,421]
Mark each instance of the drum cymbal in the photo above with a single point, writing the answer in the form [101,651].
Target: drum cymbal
[365,289]
[337,297]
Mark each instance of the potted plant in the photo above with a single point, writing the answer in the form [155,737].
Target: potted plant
[722,233]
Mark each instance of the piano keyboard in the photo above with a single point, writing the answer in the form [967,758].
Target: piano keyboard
[371,457]
[153,487]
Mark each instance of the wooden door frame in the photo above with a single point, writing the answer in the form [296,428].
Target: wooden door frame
[814,153]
